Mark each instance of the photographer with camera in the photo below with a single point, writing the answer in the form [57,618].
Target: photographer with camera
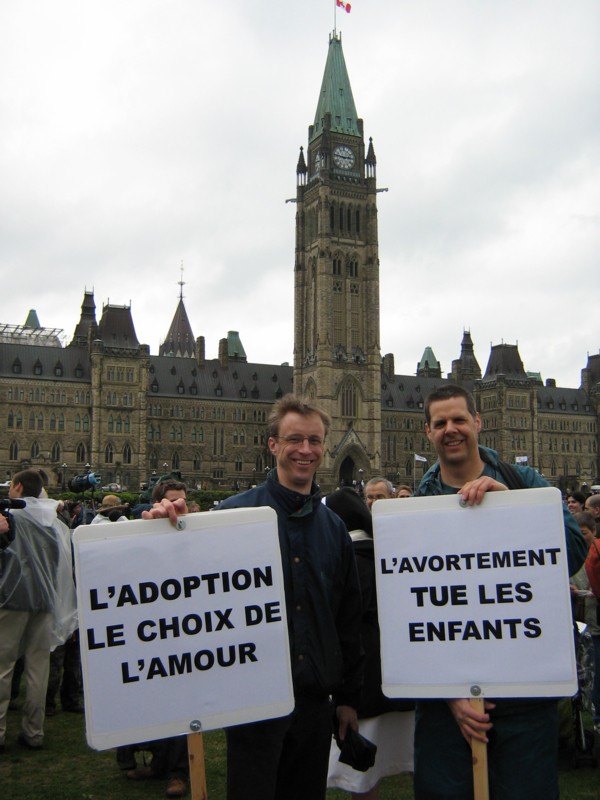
[37,600]
[111,510]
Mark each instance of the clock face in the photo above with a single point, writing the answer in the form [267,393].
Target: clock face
[343,157]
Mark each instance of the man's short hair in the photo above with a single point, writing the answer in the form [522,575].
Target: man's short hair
[593,501]
[388,484]
[161,489]
[585,518]
[291,403]
[447,392]
[30,480]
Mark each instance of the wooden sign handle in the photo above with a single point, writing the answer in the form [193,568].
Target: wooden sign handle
[481,789]
[195,745]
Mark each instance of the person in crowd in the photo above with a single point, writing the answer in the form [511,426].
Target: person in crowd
[386,722]
[37,601]
[111,510]
[523,744]
[575,502]
[65,678]
[403,491]
[378,489]
[287,758]
[169,756]
[592,504]
[581,591]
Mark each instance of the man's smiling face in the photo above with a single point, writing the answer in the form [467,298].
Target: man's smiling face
[453,431]
[297,461]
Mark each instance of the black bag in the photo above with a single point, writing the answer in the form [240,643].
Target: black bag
[579,609]
[356,751]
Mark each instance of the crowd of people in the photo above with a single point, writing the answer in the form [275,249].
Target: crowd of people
[327,551]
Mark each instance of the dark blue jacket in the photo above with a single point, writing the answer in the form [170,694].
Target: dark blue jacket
[322,592]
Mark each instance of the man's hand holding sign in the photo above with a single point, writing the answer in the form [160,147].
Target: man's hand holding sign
[474,605]
[234,619]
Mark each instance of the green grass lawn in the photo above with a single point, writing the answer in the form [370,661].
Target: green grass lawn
[67,769]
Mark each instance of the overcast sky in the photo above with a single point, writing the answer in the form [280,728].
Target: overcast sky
[136,136]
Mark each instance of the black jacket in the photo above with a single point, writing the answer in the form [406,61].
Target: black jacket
[322,592]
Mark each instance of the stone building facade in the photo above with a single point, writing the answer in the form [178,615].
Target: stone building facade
[104,402]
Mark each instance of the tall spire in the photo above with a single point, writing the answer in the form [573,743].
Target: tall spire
[87,320]
[466,367]
[335,98]
[181,282]
[180,340]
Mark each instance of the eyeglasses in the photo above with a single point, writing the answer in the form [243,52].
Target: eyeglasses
[297,439]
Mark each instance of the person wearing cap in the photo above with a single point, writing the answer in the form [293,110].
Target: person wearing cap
[111,510]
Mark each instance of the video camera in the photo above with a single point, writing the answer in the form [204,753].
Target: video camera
[9,502]
[5,506]
[81,483]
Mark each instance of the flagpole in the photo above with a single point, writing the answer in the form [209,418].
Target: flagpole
[334,18]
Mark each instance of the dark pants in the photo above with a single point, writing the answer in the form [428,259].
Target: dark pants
[281,759]
[65,674]
[170,757]
[522,753]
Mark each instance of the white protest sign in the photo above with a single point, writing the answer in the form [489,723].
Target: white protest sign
[181,627]
[474,601]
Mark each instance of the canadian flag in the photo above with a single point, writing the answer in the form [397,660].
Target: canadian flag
[342,4]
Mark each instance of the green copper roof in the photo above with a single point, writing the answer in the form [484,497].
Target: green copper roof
[428,359]
[235,349]
[32,320]
[336,94]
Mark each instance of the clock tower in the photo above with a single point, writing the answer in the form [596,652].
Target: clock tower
[337,358]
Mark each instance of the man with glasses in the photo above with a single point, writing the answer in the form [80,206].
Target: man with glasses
[287,758]
[378,489]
